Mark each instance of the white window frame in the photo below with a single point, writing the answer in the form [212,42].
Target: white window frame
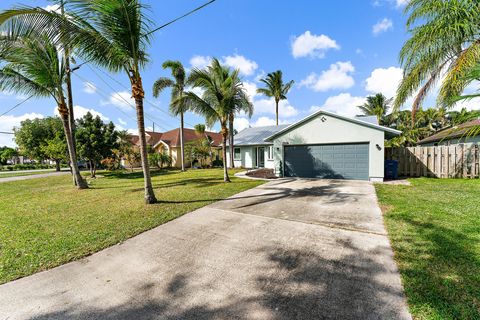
[270,153]
[235,158]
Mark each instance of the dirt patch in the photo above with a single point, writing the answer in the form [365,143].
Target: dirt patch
[262,173]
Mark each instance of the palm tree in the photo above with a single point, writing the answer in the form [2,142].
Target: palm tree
[223,94]
[445,38]
[178,87]
[377,105]
[246,108]
[275,88]
[32,66]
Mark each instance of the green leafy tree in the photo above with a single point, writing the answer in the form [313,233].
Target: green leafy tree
[7,153]
[275,88]
[32,66]
[178,88]
[444,45]
[223,92]
[377,105]
[43,139]
[96,140]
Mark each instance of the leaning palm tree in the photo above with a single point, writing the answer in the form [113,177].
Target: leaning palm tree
[444,44]
[223,94]
[32,66]
[178,87]
[377,105]
[275,88]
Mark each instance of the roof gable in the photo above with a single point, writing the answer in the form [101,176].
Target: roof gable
[331,114]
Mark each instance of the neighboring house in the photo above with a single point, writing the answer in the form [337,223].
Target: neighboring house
[322,145]
[169,142]
[454,135]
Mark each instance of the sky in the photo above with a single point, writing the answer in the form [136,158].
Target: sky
[337,52]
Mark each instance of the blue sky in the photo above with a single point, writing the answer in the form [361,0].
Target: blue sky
[338,52]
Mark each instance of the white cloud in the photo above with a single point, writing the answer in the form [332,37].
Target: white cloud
[198,91]
[382,26]
[344,104]
[401,3]
[89,88]
[384,80]
[241,123]
[9,122]
[338,76]
[246,67]
[311,45]
[267,106]
[52,7]
[200,62]
[251,89]
[121,99]
[122,122]
[80,111]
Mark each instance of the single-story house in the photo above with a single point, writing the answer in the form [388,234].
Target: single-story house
[454,135]
[322,145]
[169,142]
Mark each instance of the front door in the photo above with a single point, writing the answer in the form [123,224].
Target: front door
[261,157]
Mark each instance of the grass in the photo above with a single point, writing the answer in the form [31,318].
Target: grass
[434,229]
[46,222]
[21,174]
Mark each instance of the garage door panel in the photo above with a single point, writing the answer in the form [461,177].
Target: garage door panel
[342,161]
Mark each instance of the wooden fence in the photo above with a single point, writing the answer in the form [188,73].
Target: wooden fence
[456,161]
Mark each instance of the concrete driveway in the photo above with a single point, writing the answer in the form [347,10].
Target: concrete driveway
[290,249]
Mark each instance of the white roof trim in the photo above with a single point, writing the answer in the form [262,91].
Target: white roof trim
[161,142]
[328,113]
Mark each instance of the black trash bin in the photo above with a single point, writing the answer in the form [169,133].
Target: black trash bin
[391,169]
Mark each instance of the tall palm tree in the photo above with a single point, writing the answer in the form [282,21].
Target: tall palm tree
[246,108]
[377,105]
[113,34]
[444,42]
[32,66]
[178,87]
[223,94]
[274,87]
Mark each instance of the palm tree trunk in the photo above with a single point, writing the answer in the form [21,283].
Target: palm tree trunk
[79,181]
[138,93]
[230,133]
[182,146]
[226,178]
[276,110]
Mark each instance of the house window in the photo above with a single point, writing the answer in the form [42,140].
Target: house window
[237,155]
[270,153]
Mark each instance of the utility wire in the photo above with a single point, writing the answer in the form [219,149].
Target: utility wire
[106,96]
[155,30]
[16,106]
[179,18]
[145,99]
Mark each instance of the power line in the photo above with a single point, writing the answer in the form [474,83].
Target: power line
[105,95]
[3,132]
[179,18]
[155,30]
[16,106]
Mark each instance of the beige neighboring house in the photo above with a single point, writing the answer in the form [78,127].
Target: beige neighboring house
[169,142]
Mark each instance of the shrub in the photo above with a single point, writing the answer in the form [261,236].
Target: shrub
[217,163]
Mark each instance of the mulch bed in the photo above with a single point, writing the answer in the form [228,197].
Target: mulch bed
[262,173]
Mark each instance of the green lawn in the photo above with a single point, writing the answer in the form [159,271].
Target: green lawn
[9,174]
[434,229]
[46,222]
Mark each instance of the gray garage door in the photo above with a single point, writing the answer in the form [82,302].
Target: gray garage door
[332,161]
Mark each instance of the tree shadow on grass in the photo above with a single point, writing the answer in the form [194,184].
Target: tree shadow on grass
[440,267]
[283,283]
[137,174]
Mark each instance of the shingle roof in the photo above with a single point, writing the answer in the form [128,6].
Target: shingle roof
[453,132]
[369,119]
[172,137]
[256,135]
